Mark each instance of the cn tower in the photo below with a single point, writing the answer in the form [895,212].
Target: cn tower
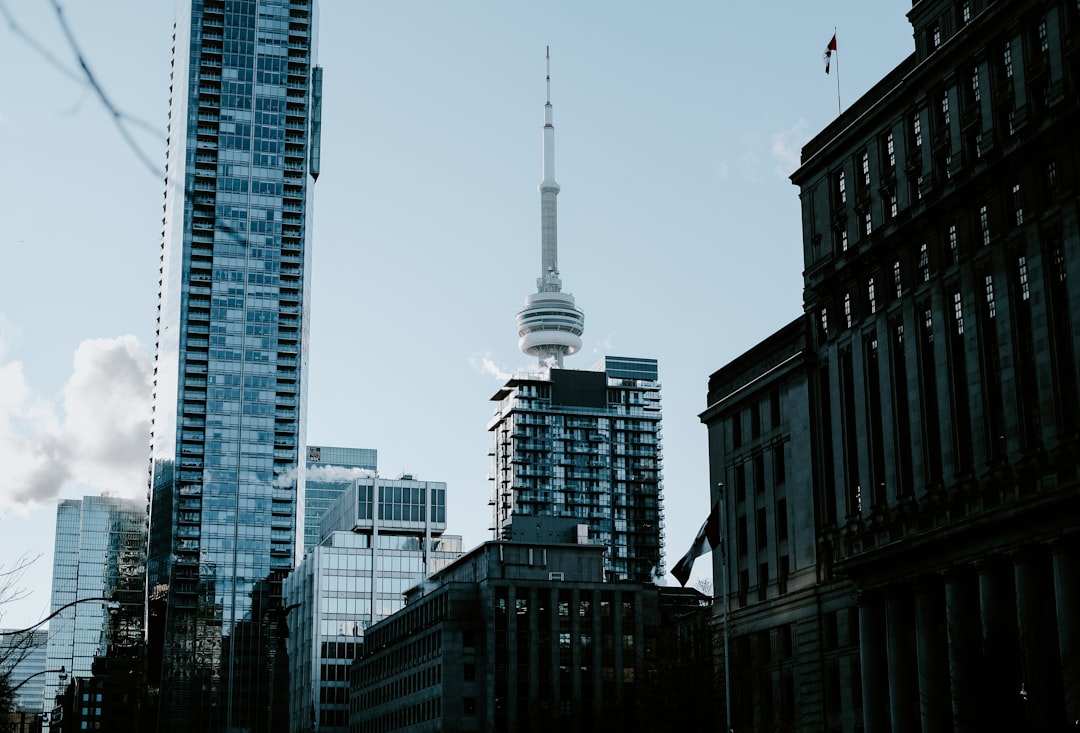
[550,325]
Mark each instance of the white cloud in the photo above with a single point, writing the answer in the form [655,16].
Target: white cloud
[98,438]
[787,148]
[483,364]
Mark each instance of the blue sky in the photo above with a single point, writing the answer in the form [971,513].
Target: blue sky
[676,127]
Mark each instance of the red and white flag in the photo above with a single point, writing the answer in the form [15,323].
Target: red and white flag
[828,52]
[709,532]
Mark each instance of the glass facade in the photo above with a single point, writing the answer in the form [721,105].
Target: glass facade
[330,471]
[22,659]
[585,445]
[99,550]
[229,394]
[381,538]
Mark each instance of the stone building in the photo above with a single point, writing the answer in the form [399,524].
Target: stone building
[941,251]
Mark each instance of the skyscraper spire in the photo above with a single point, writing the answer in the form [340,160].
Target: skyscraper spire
[550,325]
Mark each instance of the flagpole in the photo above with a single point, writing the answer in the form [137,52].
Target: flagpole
[723,553]
[839,110]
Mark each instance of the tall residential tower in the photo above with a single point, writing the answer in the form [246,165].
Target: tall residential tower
[229,393]
[580,444]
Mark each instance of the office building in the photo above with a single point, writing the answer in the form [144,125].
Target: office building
[520,635]
[99,557]
[227,474]
[22,665]
[330,471]
[573,443]
[941,250]
[380,538]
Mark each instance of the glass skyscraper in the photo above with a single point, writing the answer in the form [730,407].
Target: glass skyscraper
[227,475]
[330,471]
[381,537]
[99,550]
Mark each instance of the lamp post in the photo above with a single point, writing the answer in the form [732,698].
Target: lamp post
[111,605]
[62,673]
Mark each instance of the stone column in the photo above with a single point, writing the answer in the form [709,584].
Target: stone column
[872,663]
[901,705]
[961,628]
[1067,604]
[934,705]
[1035,634]
[996,673]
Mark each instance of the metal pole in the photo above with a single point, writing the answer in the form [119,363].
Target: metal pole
[723,554]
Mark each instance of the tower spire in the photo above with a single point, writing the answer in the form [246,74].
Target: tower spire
[550,325]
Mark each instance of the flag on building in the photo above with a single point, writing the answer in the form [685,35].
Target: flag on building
[828,52]
[709,533]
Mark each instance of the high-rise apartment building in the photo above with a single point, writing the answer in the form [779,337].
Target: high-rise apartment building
[570,443]
[330,471]
[586,445]
[227,500]
[381,537]
[100,553]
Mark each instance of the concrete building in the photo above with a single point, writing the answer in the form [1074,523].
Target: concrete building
[100,554]
[330,471]
[941,234]
[381,537]
[227,472]
[516,636]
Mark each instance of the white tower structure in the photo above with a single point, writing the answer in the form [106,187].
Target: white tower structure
[550,325]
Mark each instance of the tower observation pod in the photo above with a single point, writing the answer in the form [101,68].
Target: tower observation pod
[550,325]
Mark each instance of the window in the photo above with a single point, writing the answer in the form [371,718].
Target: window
[825,321]
[916,128]
[924,262]
[945,118]
[965,13]
[847,309]
[958,313]
[893,206]
[1044,44]
[984,224]
[935,37]
[866,168]
[1006,59]
[841,188]
[991,307]
[890,150]
[868,224]
[1018,204]
[954,244]
[871,298]
[1025,292]
[896,279]
[976,93]
[762,529]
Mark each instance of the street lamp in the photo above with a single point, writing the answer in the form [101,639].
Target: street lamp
[62,676]
[110,605]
